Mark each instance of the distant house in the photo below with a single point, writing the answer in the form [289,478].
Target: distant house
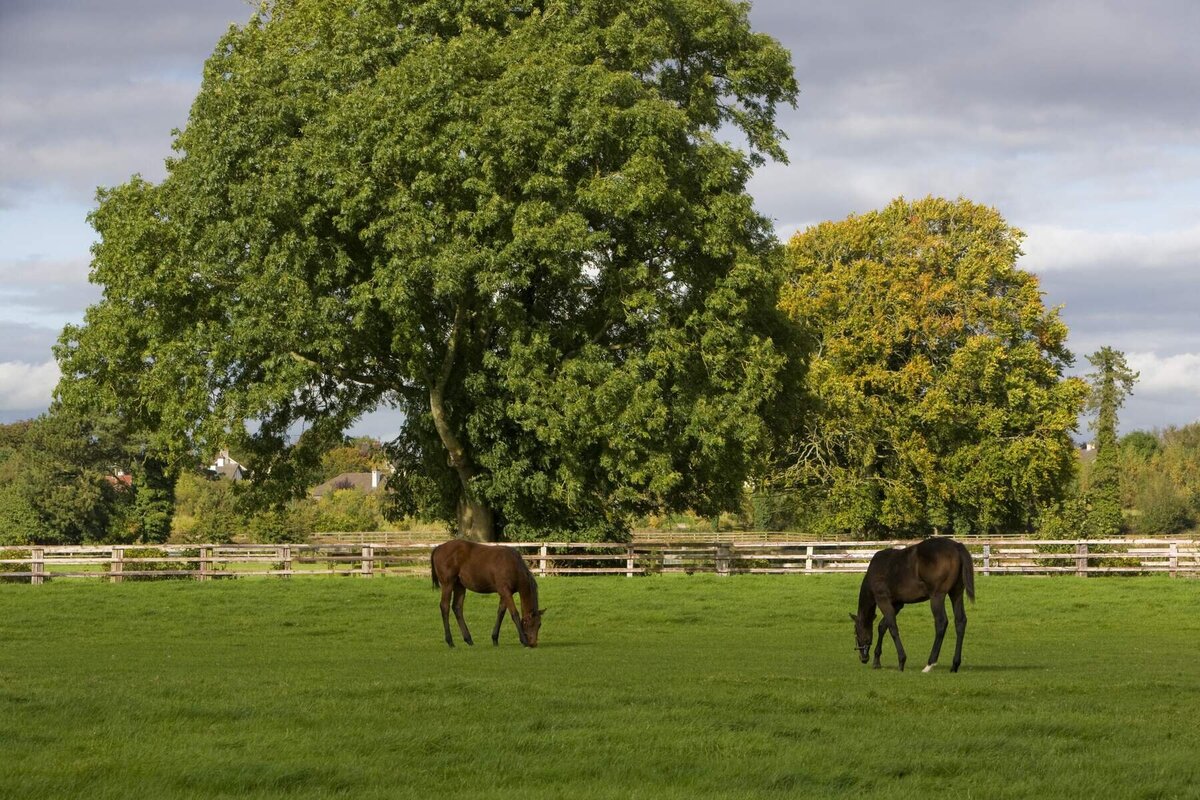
[366,482]
[122,480]
[226,467]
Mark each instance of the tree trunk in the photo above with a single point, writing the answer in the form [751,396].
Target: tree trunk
[476,521]
[475,518]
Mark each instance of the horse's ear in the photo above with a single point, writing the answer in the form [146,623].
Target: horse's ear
[854,618]
[541,611]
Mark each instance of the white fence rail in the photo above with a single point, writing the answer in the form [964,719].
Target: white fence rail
[117,563]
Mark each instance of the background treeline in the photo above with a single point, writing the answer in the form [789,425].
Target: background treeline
[1159,490]
[59,485]
[69,481]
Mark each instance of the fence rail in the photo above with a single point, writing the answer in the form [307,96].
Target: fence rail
[117,563]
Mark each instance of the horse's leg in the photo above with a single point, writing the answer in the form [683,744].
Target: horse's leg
[506,599]
[499,619]
[938,604]
[889,620]
[879,643]
[460,594]
[447,587]
[960,625]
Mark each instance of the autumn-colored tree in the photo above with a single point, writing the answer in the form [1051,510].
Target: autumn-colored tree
[938,374]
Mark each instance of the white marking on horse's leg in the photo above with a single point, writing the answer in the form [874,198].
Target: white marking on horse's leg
[929,668]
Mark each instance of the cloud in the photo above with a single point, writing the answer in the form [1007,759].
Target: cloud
[1167,374]
[1055,248]
[25,386]
[90,92]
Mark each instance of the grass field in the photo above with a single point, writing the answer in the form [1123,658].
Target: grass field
[668,686]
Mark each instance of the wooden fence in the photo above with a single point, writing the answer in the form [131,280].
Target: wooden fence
[116,563]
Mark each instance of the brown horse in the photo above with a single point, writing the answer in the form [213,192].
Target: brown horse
[928,570]
[459,565]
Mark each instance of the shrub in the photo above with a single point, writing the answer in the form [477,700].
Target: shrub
[1162,508]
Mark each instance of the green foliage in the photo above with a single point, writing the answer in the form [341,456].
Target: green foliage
[346,510]
[208,509]
[941,404]
[152,565]
[778,511]
[59,485]
[1160,479]
[514,223]
[278,526]
[361,454]
[1162,508]
[1067,519]
[1139,444]
[1111,383]
[19,520]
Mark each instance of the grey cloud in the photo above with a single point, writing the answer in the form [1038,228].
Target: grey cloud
[89,92]
[28,344]
[970,60]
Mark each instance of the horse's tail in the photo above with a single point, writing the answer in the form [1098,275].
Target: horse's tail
[967,568]
[433,572]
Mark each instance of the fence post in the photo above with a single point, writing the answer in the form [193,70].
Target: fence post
[368,560]
[543,551]
[629,562]
[987,559]
[118,564]
[287,561]
[205,563]
[37,566]
[724,556]
[808,554]
[1173,560]
[1081,561]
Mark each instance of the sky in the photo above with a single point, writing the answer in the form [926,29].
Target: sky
[1078,120]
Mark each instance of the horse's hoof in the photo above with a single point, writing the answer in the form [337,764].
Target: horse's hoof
[468,641]
[877,665]
[929,668]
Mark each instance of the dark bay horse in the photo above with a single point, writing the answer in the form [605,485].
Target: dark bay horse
[928,570]
[459,565]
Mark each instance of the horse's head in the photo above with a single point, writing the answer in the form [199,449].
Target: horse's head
[531,624]
[862,636]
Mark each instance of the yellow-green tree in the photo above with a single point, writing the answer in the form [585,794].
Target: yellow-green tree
[940,403]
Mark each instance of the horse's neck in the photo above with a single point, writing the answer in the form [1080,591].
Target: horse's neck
[866,600]
[527,589]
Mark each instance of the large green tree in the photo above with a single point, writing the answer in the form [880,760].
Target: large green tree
[941,404]
[512,221]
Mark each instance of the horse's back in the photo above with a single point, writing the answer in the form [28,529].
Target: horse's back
[912,574]
[479,567]
[940,561]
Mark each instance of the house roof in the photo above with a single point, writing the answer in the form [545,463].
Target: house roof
[226,467]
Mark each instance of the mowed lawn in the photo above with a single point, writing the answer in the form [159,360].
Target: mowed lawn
[670,686]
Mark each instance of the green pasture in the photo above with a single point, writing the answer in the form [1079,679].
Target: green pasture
[669,686]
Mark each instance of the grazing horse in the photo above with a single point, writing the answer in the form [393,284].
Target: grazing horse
[928,570]
[459,565]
